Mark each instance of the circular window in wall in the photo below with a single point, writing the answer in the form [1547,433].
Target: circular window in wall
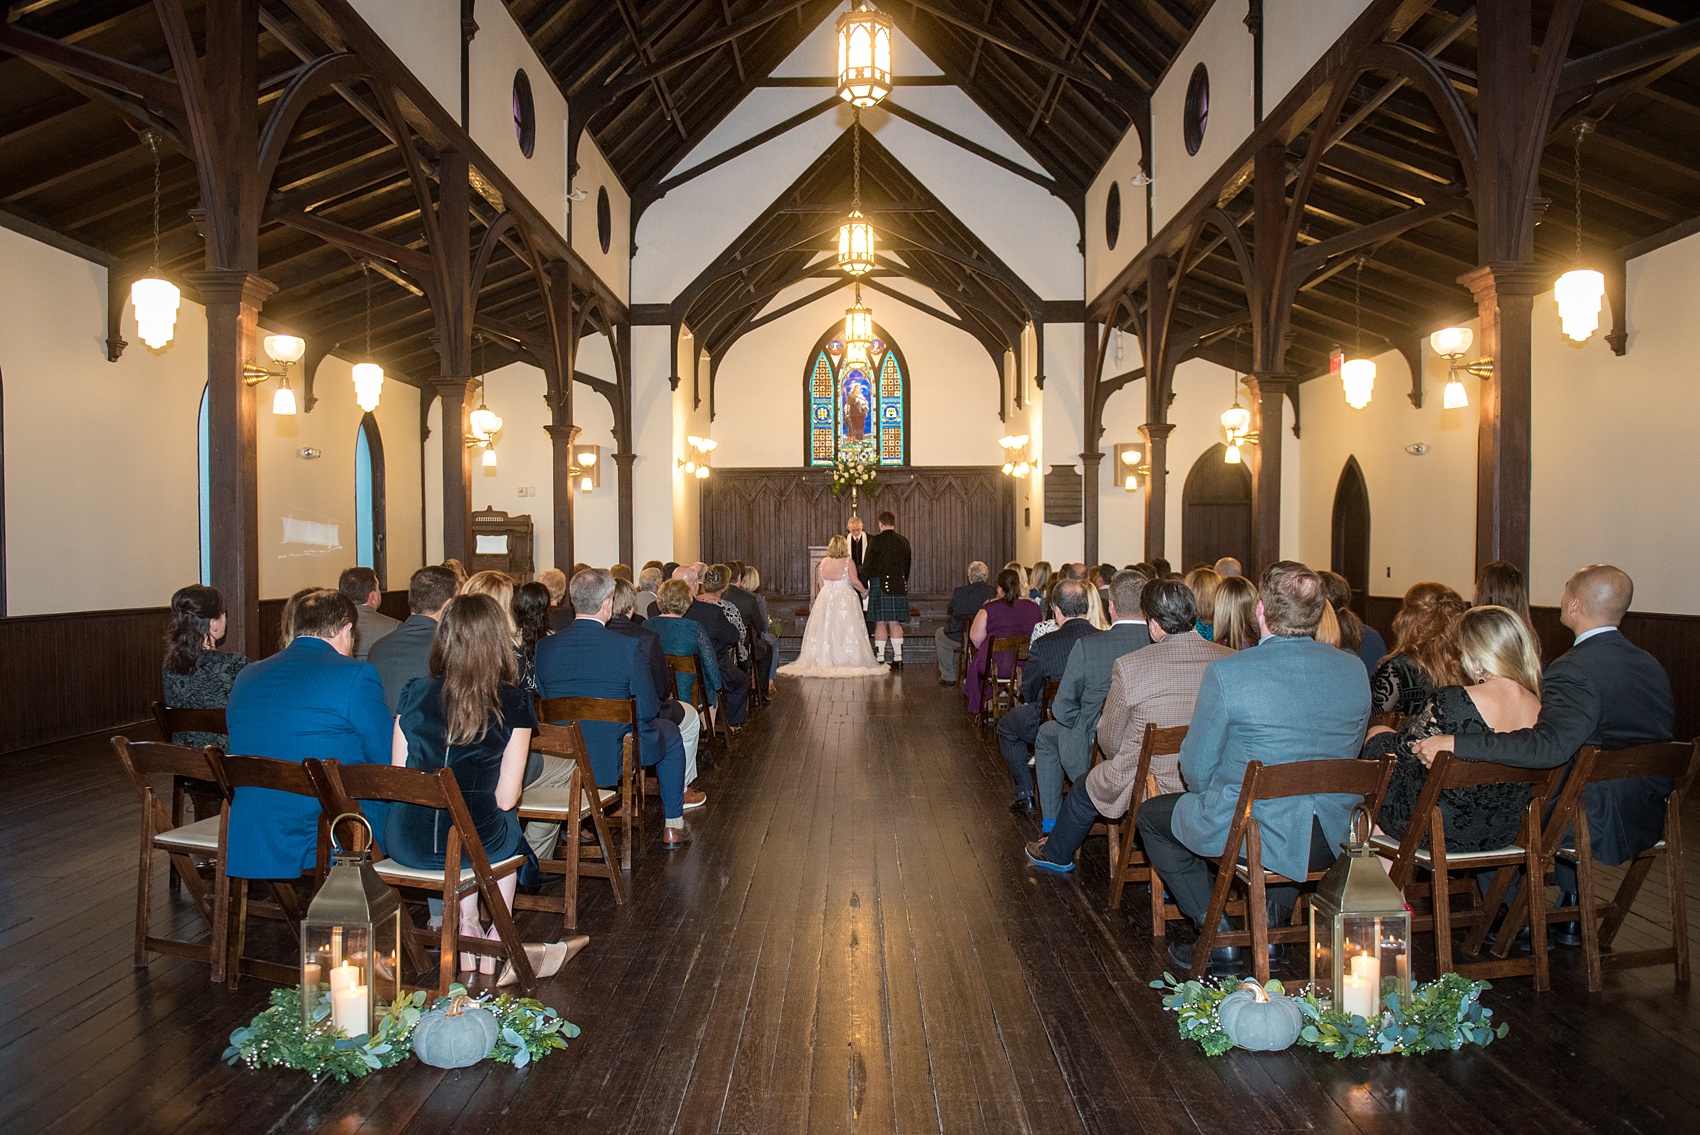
[525,114]
[1113,214]
[604,219]
[1195,115]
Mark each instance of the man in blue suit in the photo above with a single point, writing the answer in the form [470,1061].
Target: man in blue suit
[311,699]
[1289,698]
[587,660]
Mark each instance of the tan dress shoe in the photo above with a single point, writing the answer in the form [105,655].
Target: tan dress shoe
[674,838]
[694,799]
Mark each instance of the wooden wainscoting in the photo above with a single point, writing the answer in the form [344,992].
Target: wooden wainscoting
[951,514]
[1673,639]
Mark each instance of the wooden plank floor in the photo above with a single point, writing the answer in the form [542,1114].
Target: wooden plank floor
[853,943]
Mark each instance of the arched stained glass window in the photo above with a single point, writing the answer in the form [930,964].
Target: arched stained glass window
[856,409]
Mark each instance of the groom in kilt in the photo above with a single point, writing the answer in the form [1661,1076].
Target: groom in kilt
[887,578]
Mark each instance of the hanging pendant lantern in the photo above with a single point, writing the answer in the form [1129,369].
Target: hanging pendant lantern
[368,385]
[856,244]
[864,55]
[1236,419]
[858,321]
[1357,374]
[1580,290]
[155,298]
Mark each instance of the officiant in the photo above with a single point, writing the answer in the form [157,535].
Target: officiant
[858,540]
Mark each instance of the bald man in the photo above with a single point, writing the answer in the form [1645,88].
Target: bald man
[1227,566]
[1603,691]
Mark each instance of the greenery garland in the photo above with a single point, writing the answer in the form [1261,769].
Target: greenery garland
[276,1038]
[858,473]
[1444,1015]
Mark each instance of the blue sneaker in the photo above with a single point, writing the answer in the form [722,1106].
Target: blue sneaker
[1035,857]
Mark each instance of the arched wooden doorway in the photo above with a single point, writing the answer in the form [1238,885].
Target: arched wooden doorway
[1349,554]
[1216,511]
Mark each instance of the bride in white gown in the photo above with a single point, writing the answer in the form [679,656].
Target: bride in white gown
[835,641]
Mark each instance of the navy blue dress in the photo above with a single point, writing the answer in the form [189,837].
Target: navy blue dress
[417,836]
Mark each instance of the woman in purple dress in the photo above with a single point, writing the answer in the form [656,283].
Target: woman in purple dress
[1009,614]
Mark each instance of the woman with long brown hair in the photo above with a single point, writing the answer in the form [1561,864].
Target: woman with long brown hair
[470,715]
[1236,613]
[1425,650]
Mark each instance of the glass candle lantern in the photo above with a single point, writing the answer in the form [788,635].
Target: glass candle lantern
[1360,933]
[350,944]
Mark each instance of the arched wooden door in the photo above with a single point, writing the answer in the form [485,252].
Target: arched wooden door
[1216,511]
[1349,555]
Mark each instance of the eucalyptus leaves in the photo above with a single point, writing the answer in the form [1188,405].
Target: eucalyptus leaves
[527,1030]
[1444,1015]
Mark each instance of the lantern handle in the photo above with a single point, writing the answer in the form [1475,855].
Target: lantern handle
[371,836]
[1354,840]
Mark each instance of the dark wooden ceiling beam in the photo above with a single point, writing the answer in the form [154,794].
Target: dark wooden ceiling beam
[655,68]
[91,67]
[1625,58]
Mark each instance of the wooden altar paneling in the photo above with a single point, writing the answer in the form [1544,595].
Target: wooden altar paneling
[769,517]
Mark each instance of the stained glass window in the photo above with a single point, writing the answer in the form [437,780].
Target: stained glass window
[856,407]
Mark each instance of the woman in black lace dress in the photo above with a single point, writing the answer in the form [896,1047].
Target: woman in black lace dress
[1425,651]
[1499,660]
[196,674]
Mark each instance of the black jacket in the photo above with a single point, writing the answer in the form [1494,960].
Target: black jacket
[1608,692]
[889,561]
[1048,657]
[720,630]
[859,554]
[746,603]
[965,603]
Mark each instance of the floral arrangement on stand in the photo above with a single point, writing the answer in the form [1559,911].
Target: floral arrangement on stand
[525,1030]
[854,474]
[1444,1015]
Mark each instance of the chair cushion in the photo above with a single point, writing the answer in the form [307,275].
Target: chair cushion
[202,835]
[393,872]
[551,803]
[1390,846]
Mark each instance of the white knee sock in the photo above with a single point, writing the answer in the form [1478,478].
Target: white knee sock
[897,649]
[879,650]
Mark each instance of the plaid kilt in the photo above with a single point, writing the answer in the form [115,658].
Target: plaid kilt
[883,608]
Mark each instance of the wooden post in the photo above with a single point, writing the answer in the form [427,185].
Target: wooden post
[1159,378]
[1267,391]
[453,309]
[1156,436]
[563,437]
[1505,295]
[562,432]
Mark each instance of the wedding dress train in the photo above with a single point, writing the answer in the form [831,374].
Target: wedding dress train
[835,641]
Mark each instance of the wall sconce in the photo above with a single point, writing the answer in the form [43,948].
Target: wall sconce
[695,463]
[282,350]
[1016,460]
[586,467]
[486,426]
[1129,469]
[1452,344]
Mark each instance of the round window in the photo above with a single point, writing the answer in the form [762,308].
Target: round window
[1113,214]
[604,219]
[525,114]
[1195,115]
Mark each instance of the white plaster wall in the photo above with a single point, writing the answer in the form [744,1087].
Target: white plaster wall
[1224,44]
[433,483]
[498,51]
[613,267]
[425,35]
[1103,262]
[1295,35]
[1062,436]
[690,418]
[652,433]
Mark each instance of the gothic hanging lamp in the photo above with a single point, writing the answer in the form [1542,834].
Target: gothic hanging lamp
[484,422]
[368,376]
[856,234]
[858,321]
[864,55]
[155,298]
[1357,374]
[1580,290]
[1236,419]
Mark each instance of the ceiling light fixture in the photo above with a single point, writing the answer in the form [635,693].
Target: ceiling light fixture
[1357,374]
[368,375]
[856,234]
[864,55]
[155,298]
[484,422]
[1236,420]
[1580,290]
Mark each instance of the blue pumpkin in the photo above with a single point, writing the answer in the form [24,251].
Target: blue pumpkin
[456,1036]
[1260,1021]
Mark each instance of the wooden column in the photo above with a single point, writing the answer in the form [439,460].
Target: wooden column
[1505,296]
[453,308]
[1159,378]
[562,432]
[1156,436]
[1268,391]
[1092,457]
[457,468]
[563,437]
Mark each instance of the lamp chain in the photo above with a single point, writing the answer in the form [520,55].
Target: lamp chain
[366,278]
[1582,129]
[856,166]
[1358,309]
[153,145]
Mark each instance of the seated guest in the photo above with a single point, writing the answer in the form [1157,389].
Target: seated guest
[499,585]
[965,603]
[1095,613]
[1228,566]
[589,660]
[1011,613]
[751,582]
[1102,574]
[1015,566]
[648,582]
[531,617]
[1500,584]
[1203,582]
[1161,568]
[1064,744]
[1236,613]
[469,715]
[360,585]
[621,571]
[1156,685]
[458,568]
[1039,583]
[1048,658]
[716,618]
[1425,651]
[1289,699]
[311,699]
[1076,570]
[1503,670]
[286,618]
[760,653]
[1356,636]
[560,611]
[688,639]
[1603,691]
[197,674]
[669,570]
[405,653]
[654,655]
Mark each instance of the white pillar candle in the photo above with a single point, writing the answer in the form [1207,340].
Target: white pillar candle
[350,1008]
[1403,968]
[1356,996]
[336,947]
[344,977]
[1367,968]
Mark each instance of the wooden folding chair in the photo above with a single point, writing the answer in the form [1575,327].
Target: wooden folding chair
[341,786]
[172,721]
[1600,921]
[1352,777]
[1052,685]
[998,695]
[1128,863]
[185,846]
[238,771]
[569,806]
[1424,848]
[715,735]
[619,711]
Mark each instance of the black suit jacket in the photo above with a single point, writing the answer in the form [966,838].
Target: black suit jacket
[720,630]
[649,650]
[1048,657]
[965,603]
[889,561]
[1608,692]
[747,608]
[403,655]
